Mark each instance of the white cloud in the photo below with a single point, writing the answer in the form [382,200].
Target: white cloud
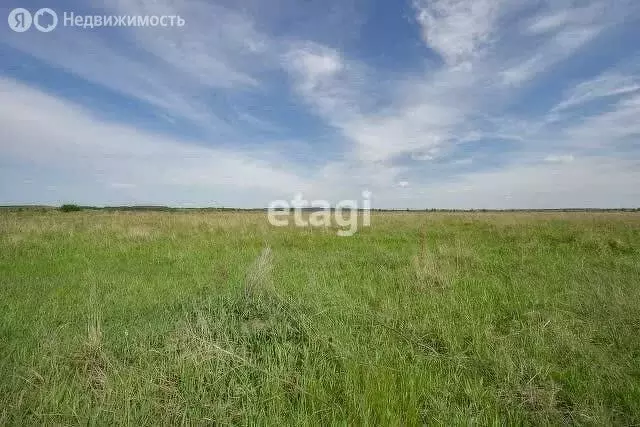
[612,126]
[68,139]
[169,68]
[419,120]
[548,23]
[604,86]
[560,46]
[324,80]
[429,114]
[457,29]
[558,16]
[559,158]
[145,168]
[215,47]
[584,183]
[318,64]
[557,31]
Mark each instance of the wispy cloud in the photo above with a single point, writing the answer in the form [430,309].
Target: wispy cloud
[220,48]
[559,158]
[168,68]
[557,48]
[71,140]
[604,86]
[558,32]
[458,30]
[587,182]
[610,127]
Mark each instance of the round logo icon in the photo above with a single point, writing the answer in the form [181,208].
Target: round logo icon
[45,20]
[20,20]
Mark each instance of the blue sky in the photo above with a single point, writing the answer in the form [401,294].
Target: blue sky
[425,103]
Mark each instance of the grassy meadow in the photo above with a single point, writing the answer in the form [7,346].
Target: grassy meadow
[147,318]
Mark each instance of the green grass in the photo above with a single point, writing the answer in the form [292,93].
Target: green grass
[195,318]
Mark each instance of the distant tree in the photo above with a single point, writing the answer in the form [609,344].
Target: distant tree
[67,207]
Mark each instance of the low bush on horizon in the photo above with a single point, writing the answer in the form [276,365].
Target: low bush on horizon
[70,208]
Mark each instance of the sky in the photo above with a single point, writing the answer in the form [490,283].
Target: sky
[485,104]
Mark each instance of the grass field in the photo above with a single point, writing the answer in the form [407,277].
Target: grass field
[195,318]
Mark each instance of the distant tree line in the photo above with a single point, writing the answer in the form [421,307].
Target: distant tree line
[71,207]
